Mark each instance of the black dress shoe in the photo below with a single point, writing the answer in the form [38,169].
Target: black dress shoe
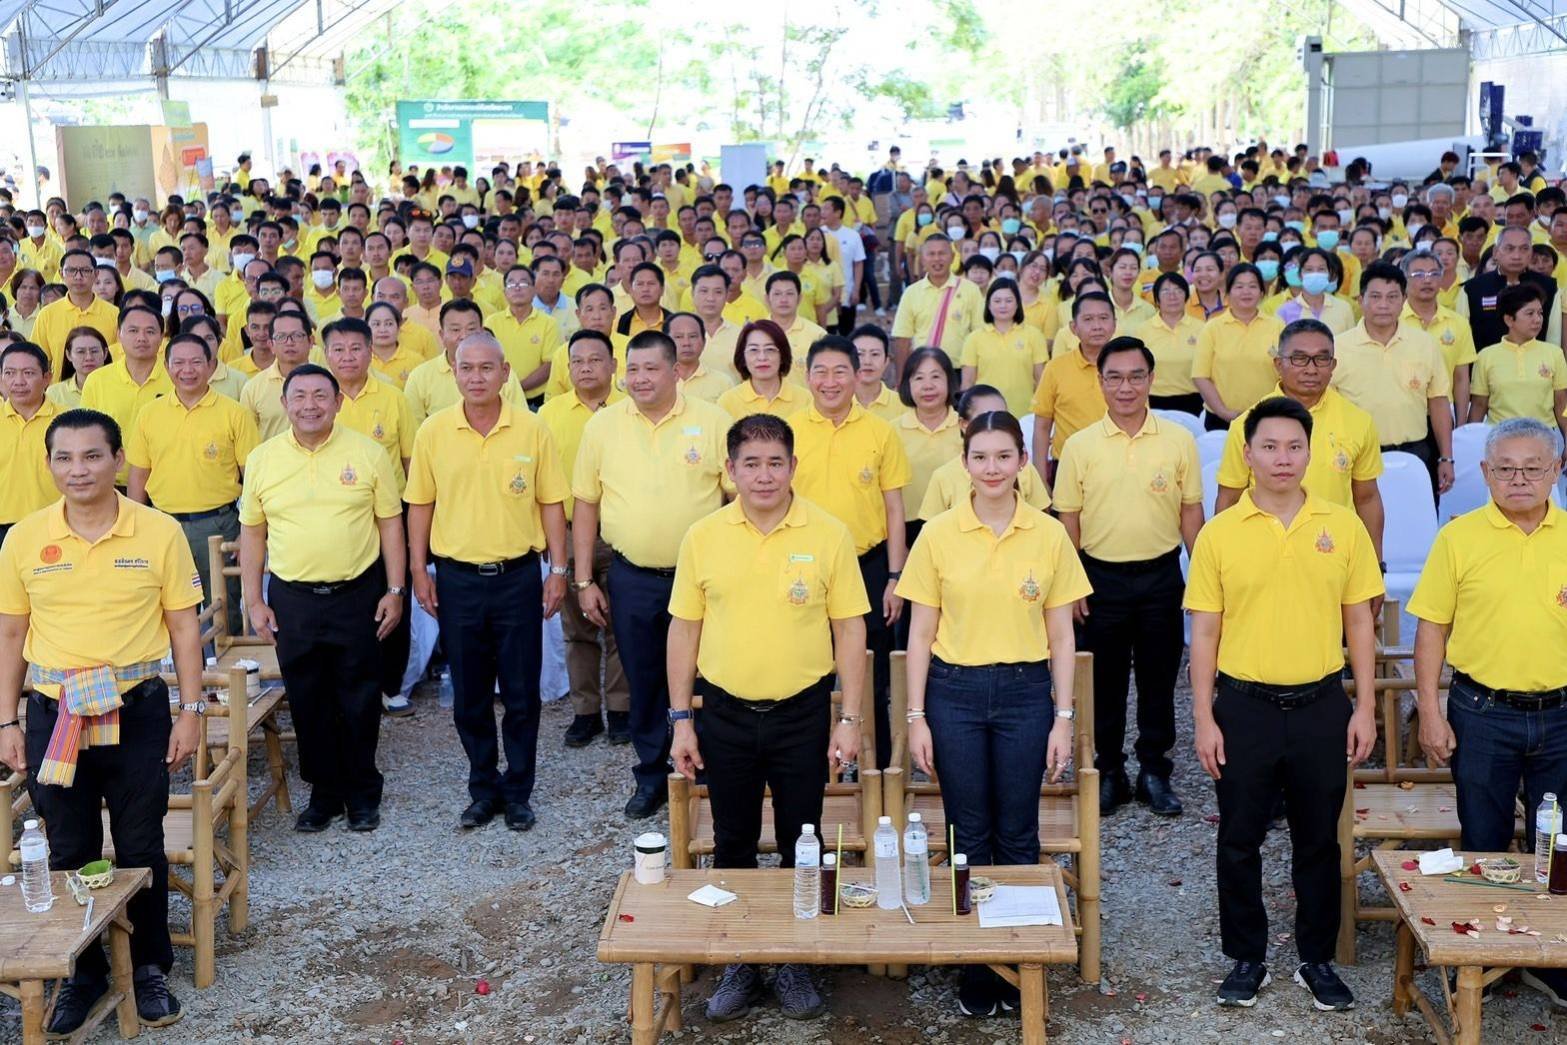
[479,812]
[646,802]
[316,819]
[1154,791]
[77,997]
[364,819]
[519,816]
[583,729]
[1114,792]
[619,727]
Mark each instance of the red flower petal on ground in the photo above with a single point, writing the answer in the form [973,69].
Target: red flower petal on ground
[1405,887]
[1410,865]
[482,987]
[1428,921]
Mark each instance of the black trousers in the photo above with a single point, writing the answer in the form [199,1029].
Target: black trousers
[639,613]
[748,746]
[131,779]
[1425,449]
[1190,403]
[845,323]
[1301,750]
[1214,423]
[900,631]
[5,528]
[1134,624]
[878,639]
[492,628]
[331,664]
[395,647]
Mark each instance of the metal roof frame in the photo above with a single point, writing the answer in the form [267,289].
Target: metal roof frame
[1490,28]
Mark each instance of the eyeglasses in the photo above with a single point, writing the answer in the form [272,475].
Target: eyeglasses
[1302,361]
[1425,275]
[1136,377]
[518,284]
[1507,473]
[190,310]
[289,337]
[76,270]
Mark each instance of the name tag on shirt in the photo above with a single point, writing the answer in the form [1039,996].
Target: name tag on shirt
[800,557]
[692,430]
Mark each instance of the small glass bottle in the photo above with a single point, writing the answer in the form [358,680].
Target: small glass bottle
[1558,885]
[830,883]
[960,883]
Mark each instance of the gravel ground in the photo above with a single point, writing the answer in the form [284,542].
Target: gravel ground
[383,938]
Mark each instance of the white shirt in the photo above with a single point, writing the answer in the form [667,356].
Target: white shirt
[851,248]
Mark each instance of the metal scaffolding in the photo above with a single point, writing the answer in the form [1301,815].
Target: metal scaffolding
[1490,28]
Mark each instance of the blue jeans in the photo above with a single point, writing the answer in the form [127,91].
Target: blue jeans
[1498,746]
[989,727]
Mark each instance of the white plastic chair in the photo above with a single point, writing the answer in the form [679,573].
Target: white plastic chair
[1409,526]
[1210,487]
[1026,422]
[1210,445]
[1469,490]
[1190,422]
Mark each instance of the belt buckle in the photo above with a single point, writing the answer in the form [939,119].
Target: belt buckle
[323,589]
[490,569]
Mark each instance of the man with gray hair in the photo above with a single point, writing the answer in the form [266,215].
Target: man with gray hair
[1440,199]
[1422,310]
[1492,601]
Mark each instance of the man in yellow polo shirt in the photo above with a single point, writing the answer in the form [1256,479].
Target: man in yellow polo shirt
[1069,397]
[80,307]
[853,464]
[1278,585]
[529,337]
[25,414]
[95,590]
[124,388]
[649,466]
[775,567]
[320,511]
[1129,492]
[289,334]
[598,683]
[1492,601]
[484,498]
[433,386]
[187,454]
[1423,310]
[941,309]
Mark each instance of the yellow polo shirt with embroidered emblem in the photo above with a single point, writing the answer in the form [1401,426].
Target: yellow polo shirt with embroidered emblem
[397,367]
[992,591]
[26,484]
[1451,332]
[927,450]
[1069,395]
[99,602]
[920,307]
[320,506]
[194,455]
[263,397]
[380,411]
[566,416]
[433,386]
[1344,449]
[55,320]
[652,481]
[846,468]
[527,344]
[1392,382]
[1129,490]
[742,310]
[1281,590]
[1007,361]
[789,585]
[111,390]
[1238,357]
[486,488]
[706,384]
[951,483]
[743,400]
[1505,594]
[1521,380]
[1174,351]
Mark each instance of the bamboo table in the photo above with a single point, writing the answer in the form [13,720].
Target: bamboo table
[39,947]
[1479,961]
[656,925]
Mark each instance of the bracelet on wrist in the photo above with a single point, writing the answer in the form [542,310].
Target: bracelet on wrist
[914,714]
[14,722]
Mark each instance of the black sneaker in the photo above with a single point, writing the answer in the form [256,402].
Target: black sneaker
[583,729]
[1550,982]
[316,819]
[155,1006]
[976,993]
[738,989]
[77,997]
[519,816]
[620,727]
[1240,987]
[1328,992]
[646,802]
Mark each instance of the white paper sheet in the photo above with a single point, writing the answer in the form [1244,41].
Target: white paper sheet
[1015,905]
[712,896]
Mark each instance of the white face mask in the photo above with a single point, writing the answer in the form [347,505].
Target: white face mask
[1346,216]
[1384,213]
[1399,200]
[1226,221]
[1414,227]
[990,253]
[1282,201]
[139,215]
[35,231]
[322,278]
[168,307]
[956,232]
[470,221]
[241,260]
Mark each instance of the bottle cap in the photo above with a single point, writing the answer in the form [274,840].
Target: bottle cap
[884,820]
[1549,796]
[29,825]
[915,818]
[959,860]
[807,829]
[1561,842]
[830,860]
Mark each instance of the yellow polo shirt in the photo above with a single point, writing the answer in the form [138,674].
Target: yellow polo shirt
[920,307]
[951,483]
[1007,361]
[1451,332]
[1238,357]
[1281,591]
[527,344]
[433,386]
[194,456]
[742,310]
[1129,490]
[64,394]
[380,411]
[927,450]
[789,585]
[1069,394]
[231,299]
[992,591]
[1344,449]
[1392,382]
[101,602]
[26,484]
[559,382]
[706,384]
[1174,351]
[802,334]
[1505,594]
[55,320]
[111,390]
[397,367]
[263,397]
[486,488]
[846,468]
[1521,380]
[652,481]
[420,339]
[886,405]
[45,256]
[320,506]
[566,416]
[743,400]
[718,354]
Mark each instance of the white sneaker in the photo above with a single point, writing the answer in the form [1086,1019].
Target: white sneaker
[397,706]
[881,313]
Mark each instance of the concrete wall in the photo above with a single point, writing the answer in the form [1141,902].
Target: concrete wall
[1391,96]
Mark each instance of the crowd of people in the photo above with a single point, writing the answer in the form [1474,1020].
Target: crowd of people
[683,415]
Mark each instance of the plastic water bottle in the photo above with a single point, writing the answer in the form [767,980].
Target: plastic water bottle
[916,862]
[37,892]
[889,884]
[447,696]
[807,873]
[1545,830]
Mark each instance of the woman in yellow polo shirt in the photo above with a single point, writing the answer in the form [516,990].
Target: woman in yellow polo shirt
[1131,311]
[26,288]
[1448,253]
[1005,352]
[107,286]
[1171,335]
[763,360]
[1520,376]
[1207,280]
[1233,367]
[991,585]
[1038,292]
[86,349]
[828,275]
[930,431]
[1313,300]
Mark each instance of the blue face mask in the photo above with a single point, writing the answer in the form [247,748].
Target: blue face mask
[1327,239]
[1298,226]
[924,219]
[1292,276]
[1010,226]
[1316,282]
[1270,236]
[1269,269]
[164,275]
[1133,246]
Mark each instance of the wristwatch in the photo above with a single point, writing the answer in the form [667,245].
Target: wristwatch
[1067,713]
[395,590]
[559,571]
[582,585]
[198,708]
[683,715]
[1447,460]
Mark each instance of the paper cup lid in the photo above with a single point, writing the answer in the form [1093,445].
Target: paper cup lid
[650,842]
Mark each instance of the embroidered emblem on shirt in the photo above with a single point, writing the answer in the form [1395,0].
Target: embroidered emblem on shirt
[1447,337]
[1545,371]
[693,456]
[1159,483]
[1029,589]
[518,483]
[210,452]
[349,476]
[50,554]
[798,592]
[378,433]
[867,476]
[1325,542]
[1340,461]
[1414,382]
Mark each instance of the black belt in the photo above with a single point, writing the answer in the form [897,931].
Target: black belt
[489,569]
[1545,700]
[1286,697]
[657,571]
[711,694]
[210,513]
[879,547]
[323,587]
[1158,562]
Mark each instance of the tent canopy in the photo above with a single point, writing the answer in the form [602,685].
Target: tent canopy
[1491,28]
